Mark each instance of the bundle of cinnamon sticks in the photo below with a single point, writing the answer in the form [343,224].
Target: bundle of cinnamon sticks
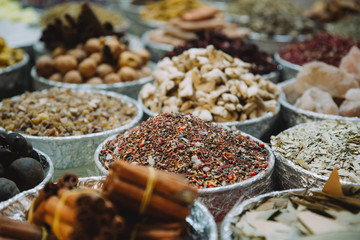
[159,200]
[152,203]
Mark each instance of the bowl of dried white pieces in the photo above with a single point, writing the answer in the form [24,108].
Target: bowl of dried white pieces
[213,86]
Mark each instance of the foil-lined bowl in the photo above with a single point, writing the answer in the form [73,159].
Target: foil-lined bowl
[256,127]
[219,200]
[200,220]
[130,88]
[48,167]
[294,115]
[240,208]
[76,151]
[288,70]
[13,78]
[288,175]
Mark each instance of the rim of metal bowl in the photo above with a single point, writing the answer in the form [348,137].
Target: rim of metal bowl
[86,86]
[161,46]
[225,229]
[246,183]
[126,99]
[299,169]
[17,65]
[229,124]
[286,64]
[283,101]
[48,176]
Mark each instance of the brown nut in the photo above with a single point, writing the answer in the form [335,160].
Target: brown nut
[98,57]
[73,76]
[112,78]
[58,51]
[65,63]
[77,53]
[129,59]
[143,54]
[56,77]
[92,45]
[115,47]
[94,81]
[127,74]
[87,67]
[104,69]
[45,66]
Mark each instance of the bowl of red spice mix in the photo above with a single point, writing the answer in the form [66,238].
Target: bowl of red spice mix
[323,47]
[224,164]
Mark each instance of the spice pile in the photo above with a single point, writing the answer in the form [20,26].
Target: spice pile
[9,56]
[20,166]
[274,17]
[307,214]
[321,147]
[261,62]
[326,89]
[211,85]
[168,9]
[206,154]
[314,49]
[184,28]
[62,112]
[346,27]
[98,61]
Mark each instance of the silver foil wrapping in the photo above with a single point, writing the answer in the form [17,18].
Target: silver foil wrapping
[257,127]
[294,115]
[288,175]
[48,167]
[131,88]
[241,207]
[200,219]
[220,200]
[289,70]
[12,78]
[75,151]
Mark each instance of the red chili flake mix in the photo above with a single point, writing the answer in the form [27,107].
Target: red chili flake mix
[196,152]
[322,47]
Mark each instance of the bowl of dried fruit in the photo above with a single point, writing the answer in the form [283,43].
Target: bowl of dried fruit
[100,64]
[68,124]
[215,87]
[295,214]
[22,167]
[306,153]
[224,164]
[13,66]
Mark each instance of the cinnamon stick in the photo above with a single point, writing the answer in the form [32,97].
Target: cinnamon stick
[67,214]
[65,229]
[157,202]
[172,186]
[67,180]
[21,230]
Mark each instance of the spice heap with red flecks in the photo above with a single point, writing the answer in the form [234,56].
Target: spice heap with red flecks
[206,154]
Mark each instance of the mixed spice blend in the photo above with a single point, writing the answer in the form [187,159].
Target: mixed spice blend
[206,154]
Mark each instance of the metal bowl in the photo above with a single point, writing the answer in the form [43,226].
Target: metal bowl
[289,70]
[289,175]
[199,219]
[131,88]
[220,200]
[241,207]
[75,151]
[294,115]
[13,78]
[257,127]
[48,167]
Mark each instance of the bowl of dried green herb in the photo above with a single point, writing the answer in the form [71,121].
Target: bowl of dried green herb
[307,153]
[224,164]
[295,214]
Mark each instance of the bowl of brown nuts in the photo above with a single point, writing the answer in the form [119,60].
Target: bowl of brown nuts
[214,86]
[13,65]
[101,64]
[68,124]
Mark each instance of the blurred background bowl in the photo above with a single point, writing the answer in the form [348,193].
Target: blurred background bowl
[288,70]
